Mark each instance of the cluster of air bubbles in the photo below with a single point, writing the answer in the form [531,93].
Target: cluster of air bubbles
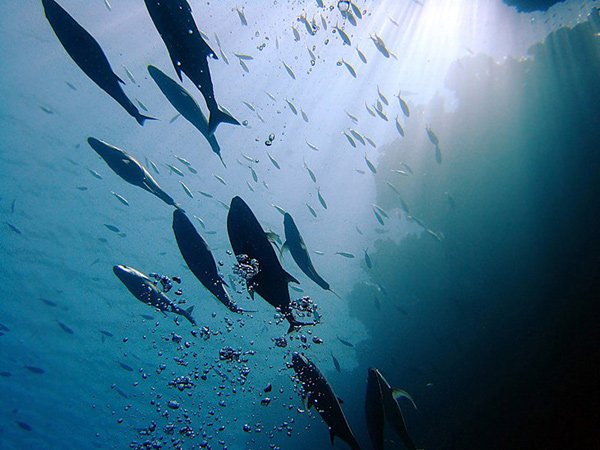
[166,282]
[246,267]
[305,306]
[270,140]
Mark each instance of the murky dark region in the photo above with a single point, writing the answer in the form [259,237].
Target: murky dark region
[300,224]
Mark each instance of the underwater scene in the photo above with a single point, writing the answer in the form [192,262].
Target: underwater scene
[303,224]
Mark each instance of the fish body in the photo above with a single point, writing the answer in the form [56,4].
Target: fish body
[350,68]
[185,105]
[391,408]
[375,411]
[399,127]
[88,55]
[200,260]
[403,106]
[311,211]
[248,238]
[321,199]
[295,244]
[318,393]
[368,261]
[145,291]
[370,165]
[130,169]
[345,254]
[432,136]
[361,55]
[189,52]
[345,38]
[289,70]
[292,107]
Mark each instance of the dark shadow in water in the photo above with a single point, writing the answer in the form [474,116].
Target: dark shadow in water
[495,330]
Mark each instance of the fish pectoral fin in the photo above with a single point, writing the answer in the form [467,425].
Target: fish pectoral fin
[331,435]
[340,400]
[119,79]
[190,309]
[290,278]
[223,281]
[398,393]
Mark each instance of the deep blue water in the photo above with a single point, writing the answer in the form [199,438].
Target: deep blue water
[482,298]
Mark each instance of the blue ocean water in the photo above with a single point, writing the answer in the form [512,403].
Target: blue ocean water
[481,299]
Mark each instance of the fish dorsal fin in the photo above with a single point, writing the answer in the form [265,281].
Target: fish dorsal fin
[398,393]
[190,309]
[290,278]
[340,400]
[119,79]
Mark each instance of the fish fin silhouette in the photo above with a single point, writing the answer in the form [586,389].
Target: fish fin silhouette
[217,117]
[335,293]
[291,279]
[141,119]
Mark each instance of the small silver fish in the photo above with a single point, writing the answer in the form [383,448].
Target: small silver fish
[244,56]
[432,136]
[343,35]
[349,138]
[205,194]
[296,34]
[289,70]
[352,118]
[220,179]
[304,115]
[254,176]
[250,106]
[129,74]
[241,15]
[120,198]
[311,146]
[403,106]
[175,170]
[345,254]
[382,97]
[311,210]
[310,173]
[370,141]
[95,174]
[321,199]
[244,66]
[107,4]
[250,186]
[273,160]
[369,110]
[183,160]
[186,189]
[271,96]
[175,117]
[381,114]
[292,107]
[154,167]
[399,127]
[200,221]
[381,210]
[358,136]
[370,165]
[361,55]
[141,105]
[350,68]
[280,209]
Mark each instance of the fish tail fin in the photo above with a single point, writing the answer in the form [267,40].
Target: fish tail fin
[141,118]
[294,324]
[221,158]
[217,117]
[188,315]
[335,293]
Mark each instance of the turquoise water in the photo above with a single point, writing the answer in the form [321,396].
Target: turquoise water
[481,299]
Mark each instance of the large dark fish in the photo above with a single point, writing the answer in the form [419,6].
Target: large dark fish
[144,290]
[393,414]
[247,237]
[188,51]
[200,260]
[318,392]
[185,104]
[128,168]
[374,410]
[295,244]
[88,55]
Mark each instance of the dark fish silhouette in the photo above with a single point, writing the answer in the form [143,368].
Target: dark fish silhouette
[88,55]
[200,260]
[34,369]
[128,168]
[374,410]
[144,290]
[392,412]
[248,238]
[185,104]
[188,51]
[295,244]
[318,392]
